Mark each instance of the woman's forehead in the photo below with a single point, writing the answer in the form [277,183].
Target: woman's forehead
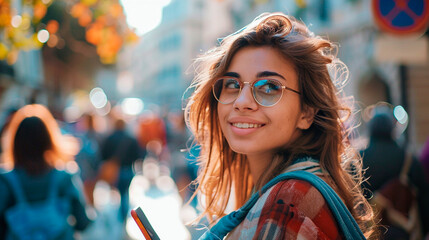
[258,62]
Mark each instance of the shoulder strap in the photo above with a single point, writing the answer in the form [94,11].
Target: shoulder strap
[56,179]
[12,178]
[53,186]
[344,218]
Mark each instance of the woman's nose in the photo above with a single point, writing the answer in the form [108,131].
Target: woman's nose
[245,99]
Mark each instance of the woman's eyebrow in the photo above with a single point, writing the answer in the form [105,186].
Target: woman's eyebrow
[232,74]
[269,74]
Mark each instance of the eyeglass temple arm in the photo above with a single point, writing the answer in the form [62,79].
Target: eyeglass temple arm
[293,90]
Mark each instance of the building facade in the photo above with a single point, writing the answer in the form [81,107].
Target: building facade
[160,65]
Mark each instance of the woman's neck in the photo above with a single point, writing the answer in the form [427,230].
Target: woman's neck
[258,163]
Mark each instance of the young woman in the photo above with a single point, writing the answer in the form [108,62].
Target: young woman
[34,148]
[265,103]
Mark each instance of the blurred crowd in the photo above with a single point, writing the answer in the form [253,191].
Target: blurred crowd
[106,157]
[115,163]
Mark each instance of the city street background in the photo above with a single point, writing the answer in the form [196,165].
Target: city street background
[134,59]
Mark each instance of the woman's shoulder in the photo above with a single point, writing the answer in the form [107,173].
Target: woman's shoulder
[5,193]
[59,177]
[297,193]
[66,179]
[63,174]
[4,189]
[294,208]
[294,204]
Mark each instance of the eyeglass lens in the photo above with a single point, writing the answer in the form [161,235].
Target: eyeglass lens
[266,92]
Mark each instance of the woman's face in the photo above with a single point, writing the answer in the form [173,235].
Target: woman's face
[250,128]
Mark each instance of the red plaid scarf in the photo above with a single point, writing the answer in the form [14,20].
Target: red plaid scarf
[291,209]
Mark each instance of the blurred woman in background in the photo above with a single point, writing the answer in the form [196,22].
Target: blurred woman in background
[34,149]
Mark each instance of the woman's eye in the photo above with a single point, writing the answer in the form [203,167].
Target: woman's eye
[232,84]
[267,87]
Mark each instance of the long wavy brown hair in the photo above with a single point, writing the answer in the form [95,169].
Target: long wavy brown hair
[33,141]
[320,76]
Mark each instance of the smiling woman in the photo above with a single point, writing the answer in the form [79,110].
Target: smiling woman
[276,122]
[144,15]
[273,138]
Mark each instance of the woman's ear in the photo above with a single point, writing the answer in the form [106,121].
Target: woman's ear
[306,118]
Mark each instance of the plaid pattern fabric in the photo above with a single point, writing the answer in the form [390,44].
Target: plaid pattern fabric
[291,209]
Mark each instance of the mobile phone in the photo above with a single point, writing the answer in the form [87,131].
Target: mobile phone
[143,223]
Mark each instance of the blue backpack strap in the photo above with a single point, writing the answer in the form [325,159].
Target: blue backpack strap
[345,220]
[54,184]
[16,187]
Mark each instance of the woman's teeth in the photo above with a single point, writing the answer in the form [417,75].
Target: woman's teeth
[247,125]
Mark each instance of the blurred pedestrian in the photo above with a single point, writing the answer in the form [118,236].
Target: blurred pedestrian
[9,114]
[121,148]
[383,160]
[265,107]
[34,149]
[424,158]
[177,139]
[88,157]
[152,136]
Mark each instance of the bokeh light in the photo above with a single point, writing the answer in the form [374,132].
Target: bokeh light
[132,106]
[400,114]
[104,110]
[16,21]
[43,36]
[98,98]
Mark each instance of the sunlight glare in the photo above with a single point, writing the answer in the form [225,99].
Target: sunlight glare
[144,15]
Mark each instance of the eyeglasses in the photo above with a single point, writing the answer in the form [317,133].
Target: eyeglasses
[266,92]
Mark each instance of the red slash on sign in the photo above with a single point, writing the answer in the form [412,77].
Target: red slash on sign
[401,17]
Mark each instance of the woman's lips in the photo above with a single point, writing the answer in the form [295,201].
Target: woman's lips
[243,128]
